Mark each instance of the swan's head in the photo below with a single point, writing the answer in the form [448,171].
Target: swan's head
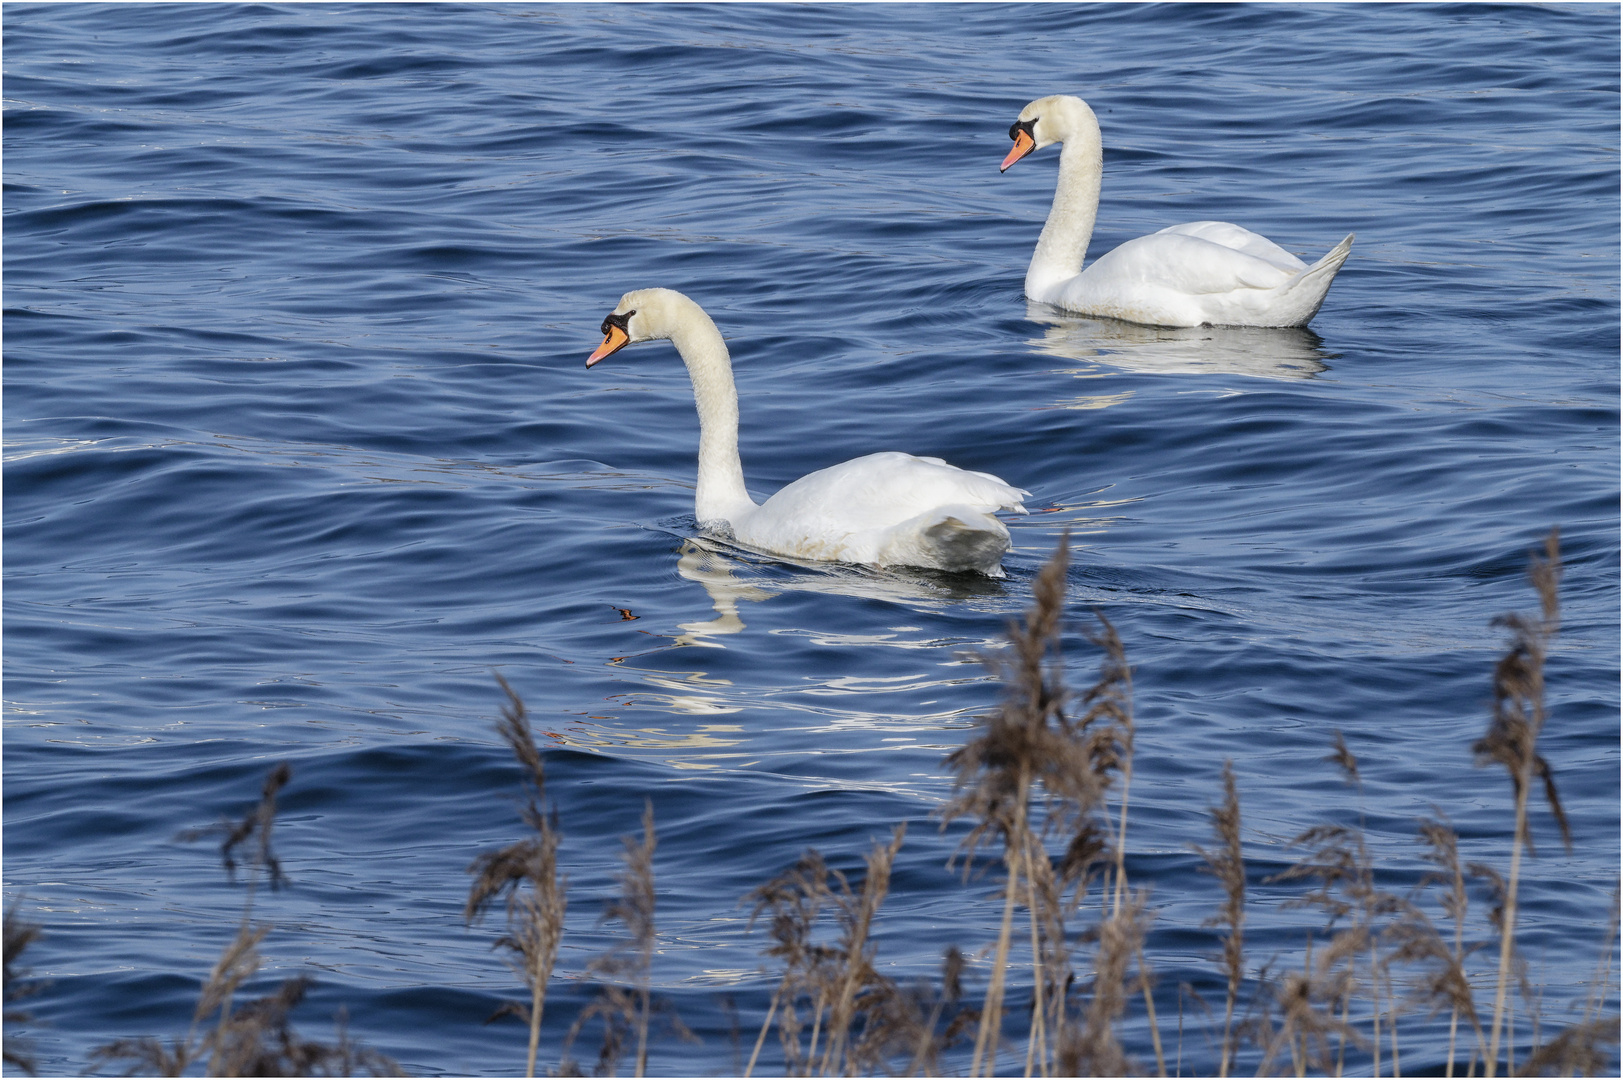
[642,315]
[1044,122]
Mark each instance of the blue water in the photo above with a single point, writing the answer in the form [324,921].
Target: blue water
[300,449]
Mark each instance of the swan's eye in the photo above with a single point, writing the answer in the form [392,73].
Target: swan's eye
[618,321]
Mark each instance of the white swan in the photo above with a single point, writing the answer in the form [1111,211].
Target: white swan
[1202,272]
[885,509]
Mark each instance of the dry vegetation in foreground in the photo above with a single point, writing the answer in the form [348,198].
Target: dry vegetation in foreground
[1043,782]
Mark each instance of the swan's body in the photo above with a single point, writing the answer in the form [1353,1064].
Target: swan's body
[1202,272]
[885,509]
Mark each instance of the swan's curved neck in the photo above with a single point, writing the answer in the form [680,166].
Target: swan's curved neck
[1064,240]
[720,496]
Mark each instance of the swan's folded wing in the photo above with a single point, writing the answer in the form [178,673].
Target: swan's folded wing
[1239,239]
[1182,264]
[885,489]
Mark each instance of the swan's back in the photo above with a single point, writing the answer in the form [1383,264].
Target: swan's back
[873,508]
[1207,272]
[1238,238]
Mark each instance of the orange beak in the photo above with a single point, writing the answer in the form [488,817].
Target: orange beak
[616,340]
[1023,145]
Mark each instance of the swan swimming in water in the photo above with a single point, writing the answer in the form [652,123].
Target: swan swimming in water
[885,509]
[1201,272]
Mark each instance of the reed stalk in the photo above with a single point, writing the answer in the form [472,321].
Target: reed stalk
[256,1037]
[858,967]
[1037,1040]
[1146,986]
[1030,757]
[988,1037]
[795,900]
[19,934]
[1227,864]
[526,874]
[1518,719]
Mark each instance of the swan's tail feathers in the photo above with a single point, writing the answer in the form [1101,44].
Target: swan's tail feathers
[957,539]
[1303,295]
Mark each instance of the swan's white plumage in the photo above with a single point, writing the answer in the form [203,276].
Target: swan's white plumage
[885,509]
[1198,273]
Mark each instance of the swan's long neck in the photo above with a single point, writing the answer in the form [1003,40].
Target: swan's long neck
[720,495]
[1064,240]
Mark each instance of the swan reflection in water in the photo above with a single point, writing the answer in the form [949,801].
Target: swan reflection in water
[731,576]
[1256,351]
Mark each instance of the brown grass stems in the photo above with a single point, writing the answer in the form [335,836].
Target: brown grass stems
[19,934]
[838,981]
[1307,1002]
[1341,862]
[1519,715]
[1030,771]
[1227,864]
[857,962]
[625,972]
[526,873]
[1030,751]
[1445,981]
[257,1037]
[795,900]
[1092,1049]
[932,1038]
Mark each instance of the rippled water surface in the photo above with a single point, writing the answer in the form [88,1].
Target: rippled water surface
[301,449]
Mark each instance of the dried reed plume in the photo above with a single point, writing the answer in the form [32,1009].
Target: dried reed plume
[794,900]
[1227,864]
[934,1038]
[1418,942]
[857,971]
[1341,863]
[837,980]
[1093,1049]
[18,936]
[624,1002]
[1307,1001]
[1029,748]
[257,1037]
[527,873]
[1519,715]
[1580,1050]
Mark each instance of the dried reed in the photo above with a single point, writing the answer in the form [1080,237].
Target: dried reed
[1029,771]
[795,901]
[1093,1049]
[624,1004]
[1307,1002]
[1445,981]
[1227,864]
[1519,715]
[18,936]
[1023,742]
[934,1039]
[858,972]
[837,980]
[1031,760]
[526,872]
[1341,862]
[255,1038]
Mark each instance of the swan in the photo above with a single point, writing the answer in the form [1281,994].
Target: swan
[1201,272]
[884,509]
